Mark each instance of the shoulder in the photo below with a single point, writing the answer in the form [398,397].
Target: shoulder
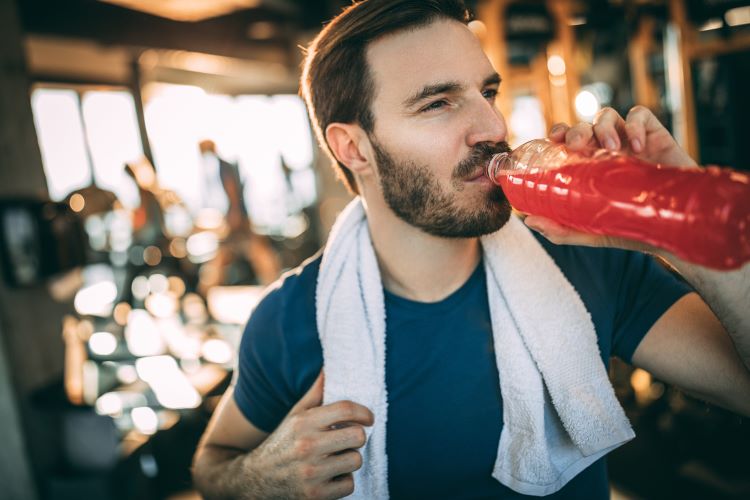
[282,329]
[589,268]
[292,295]
[280,352]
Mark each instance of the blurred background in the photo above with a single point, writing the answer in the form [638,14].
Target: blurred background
[157,169]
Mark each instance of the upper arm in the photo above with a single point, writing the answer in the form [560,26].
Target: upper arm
[229,428]
[688,347]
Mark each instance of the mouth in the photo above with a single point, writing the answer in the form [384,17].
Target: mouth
[478,175]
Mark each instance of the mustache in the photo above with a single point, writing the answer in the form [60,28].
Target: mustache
[479,157]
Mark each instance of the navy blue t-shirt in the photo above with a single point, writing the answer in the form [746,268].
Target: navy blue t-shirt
[444,402]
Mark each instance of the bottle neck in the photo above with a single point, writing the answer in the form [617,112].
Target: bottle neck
[498,164]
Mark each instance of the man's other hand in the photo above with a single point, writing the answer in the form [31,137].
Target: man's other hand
[640,134]
[313,452]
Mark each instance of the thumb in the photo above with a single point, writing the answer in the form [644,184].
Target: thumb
[312,398]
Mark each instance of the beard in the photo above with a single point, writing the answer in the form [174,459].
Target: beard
[414,194]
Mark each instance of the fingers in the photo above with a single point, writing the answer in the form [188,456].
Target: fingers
[557,132]
[352,437]
[609,129]
[339,487]
[580,136]
[340,412]
[559,234]
[312,398]
[563,235]
[638,124]
[343,463]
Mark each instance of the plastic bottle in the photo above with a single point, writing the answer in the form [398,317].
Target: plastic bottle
[702,215]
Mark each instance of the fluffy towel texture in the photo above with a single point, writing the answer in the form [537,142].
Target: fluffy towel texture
[560,413]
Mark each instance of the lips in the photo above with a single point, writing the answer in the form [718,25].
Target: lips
[476,175]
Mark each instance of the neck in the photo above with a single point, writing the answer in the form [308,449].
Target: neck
[416,265]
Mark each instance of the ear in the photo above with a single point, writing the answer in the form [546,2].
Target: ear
[348,142]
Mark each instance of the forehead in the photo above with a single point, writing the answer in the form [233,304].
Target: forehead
[404,62]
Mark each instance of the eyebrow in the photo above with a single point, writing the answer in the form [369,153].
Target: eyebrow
[445,87]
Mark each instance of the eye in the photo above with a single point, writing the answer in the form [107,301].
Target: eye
[434,106]
[490,94]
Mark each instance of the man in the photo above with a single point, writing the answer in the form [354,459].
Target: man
[223,188]
[402,97]
[224,192]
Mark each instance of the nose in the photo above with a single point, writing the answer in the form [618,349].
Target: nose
[487,124]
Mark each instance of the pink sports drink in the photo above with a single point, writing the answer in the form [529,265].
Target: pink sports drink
[702,215]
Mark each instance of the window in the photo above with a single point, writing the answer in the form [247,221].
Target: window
[60,131]
[255,132]
[87,136]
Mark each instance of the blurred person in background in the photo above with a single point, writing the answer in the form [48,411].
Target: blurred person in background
[223,193]
[403,99]
[148,217]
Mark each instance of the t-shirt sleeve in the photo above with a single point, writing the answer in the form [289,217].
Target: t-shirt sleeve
[646,290]
[260,383]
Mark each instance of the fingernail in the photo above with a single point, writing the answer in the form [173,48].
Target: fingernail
[636,145]
[557,128]
[610,143]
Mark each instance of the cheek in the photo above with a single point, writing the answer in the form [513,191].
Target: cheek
[438,150]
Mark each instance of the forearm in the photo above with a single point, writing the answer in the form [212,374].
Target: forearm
[727,293]
[223,473]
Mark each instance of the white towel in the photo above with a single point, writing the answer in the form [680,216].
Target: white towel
[560,413]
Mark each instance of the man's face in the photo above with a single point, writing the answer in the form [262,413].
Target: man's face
[436,127]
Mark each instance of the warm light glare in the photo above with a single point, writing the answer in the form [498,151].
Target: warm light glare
[587,105]
[176,286]
[182,345]
[202,247]
[527,119]
[576,21]
[126,374]
[158,283]
[102,343]
[556,65]
[209,218]
[120,314]
[109,404]
[216,351]
[141,334]
[640,380]
[171,387]
[177,248]
[194,308]
[738,16]
[711,24]
[77,202]
[233,304]
[96,299]
[152,256]
[139,287]
[161,305]
[145,419]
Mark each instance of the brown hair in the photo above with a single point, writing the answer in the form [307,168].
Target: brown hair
[336,81]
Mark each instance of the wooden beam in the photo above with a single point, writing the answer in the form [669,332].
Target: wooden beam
[640,47]
[564,46]
[713,48]
[685,128]
[113,25]
[492,14]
